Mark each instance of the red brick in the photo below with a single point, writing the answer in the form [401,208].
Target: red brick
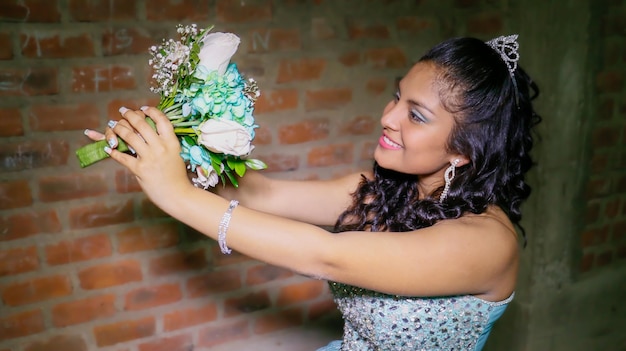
[263,136]
[126,182]
[102,78]
[21,324]
[367,151]
[18,260]
[81,249]
[27,155]
[152,296]
[595,236]
[35,290]
[101,214]
[187,10]
[213,282]
[593,213]
[178,262]
[586,263]
[83,310]
[605,137]
[6,46]
[323,309]
[359,125]
[599,163]
[241,12]
[252,302]
[606,109]
[301,132]
[15,194]
[182,342]
[71,186]
[185,318]
[223,332]
[148,237]
[102,10]
[53,45]
[361,30]
[220,260]
[59,342]
[30,11]
[128,41]
[604,259]
[301,292]
[598,187]
[265,273]
[29,81]
[114,333]
[324,99]
[150,211]
[11,122]
[273,40]
[351,58]
[386,58]
[110,274]
[299,70]
[611,208]
[331,155]
[276,100]
[22,225]
[278,321]
[321,29]
[414,25]
[53,118]
[114,105]
[281,163]
[376,86]
[610,81]
[485,24]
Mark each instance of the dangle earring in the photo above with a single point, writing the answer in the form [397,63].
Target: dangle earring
[448,176]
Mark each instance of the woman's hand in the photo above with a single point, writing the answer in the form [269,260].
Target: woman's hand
[160,170]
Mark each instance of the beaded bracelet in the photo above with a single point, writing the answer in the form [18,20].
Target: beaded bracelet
[223,227]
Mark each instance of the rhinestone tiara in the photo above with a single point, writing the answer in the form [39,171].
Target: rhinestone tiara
[507,47]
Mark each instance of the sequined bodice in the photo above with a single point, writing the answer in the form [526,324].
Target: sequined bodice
[375,321]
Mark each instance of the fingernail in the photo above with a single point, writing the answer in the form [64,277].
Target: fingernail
[112,142]
[143,108]
[86,131]
[123,110]
[132,150]
[112,124]
[107,150]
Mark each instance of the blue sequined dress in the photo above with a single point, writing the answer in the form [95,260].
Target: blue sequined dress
[381,322]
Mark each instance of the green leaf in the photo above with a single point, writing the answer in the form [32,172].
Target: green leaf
[240,168]
[232,178]
[255,164]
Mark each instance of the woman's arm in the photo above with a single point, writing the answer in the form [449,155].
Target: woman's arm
[470,255]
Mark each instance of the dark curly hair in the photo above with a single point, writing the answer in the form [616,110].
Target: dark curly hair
[493,121]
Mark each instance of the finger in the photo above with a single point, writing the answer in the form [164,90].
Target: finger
[163,124]
[124,159]
[137,121]
[134,141]
[93,135]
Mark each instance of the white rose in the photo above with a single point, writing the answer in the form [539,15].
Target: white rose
[225,136]
[217,50]
[206,178]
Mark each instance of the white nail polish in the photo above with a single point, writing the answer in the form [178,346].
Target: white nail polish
[107,150]
[86,131]
[143,108]
[112,142]
[112,124]
[123,110]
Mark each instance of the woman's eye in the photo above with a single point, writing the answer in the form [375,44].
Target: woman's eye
[417,116]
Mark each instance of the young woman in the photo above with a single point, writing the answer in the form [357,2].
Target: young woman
[426,254]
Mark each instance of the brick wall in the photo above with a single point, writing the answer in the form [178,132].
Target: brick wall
[603,239]
[86,262]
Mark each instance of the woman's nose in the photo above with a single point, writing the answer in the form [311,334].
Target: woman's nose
[389,119]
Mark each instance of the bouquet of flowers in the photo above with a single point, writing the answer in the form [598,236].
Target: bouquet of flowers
[208,102]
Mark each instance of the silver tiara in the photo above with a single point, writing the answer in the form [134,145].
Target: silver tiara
[507,47]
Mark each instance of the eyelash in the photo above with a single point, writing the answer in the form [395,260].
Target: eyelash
[414,114]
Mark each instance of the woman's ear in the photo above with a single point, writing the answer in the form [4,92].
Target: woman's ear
[462,160]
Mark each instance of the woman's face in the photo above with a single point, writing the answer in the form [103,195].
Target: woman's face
[416,128]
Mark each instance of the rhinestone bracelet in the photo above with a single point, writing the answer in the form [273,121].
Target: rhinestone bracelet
[223,227]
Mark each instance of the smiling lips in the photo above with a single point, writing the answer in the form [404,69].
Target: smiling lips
[387,143]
